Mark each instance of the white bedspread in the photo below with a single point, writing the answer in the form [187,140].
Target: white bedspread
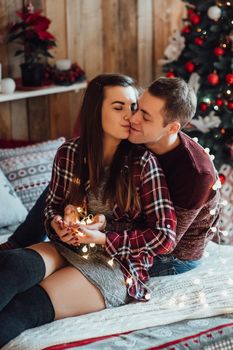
[203,292]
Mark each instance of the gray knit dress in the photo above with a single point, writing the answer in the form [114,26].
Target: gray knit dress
[95,267]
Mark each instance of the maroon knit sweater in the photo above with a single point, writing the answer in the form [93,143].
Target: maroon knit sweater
[190,175]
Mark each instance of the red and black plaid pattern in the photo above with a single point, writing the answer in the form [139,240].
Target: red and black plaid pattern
[132,248]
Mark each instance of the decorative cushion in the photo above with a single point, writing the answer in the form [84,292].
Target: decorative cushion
[12,209]
[28,168]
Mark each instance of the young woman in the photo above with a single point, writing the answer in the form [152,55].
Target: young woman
[98,173]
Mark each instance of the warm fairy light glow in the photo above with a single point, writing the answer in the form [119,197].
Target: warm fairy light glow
[217,185]
[92,245]
[205,305]
[212,211]
[129,280]
[207,150]
[110,262]
[195,139]
[228,92]
[224,233]
[84,249]
[147,296]
[213,229]
[81,234]
[212,157]
[196,281]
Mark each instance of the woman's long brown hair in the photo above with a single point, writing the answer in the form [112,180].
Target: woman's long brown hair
[120,186]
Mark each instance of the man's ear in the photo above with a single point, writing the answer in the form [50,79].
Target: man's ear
[174,127]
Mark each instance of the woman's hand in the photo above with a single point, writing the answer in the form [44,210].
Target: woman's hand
[98,223]
[85,235]
[64,231]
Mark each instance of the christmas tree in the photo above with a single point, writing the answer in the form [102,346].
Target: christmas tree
[202,54]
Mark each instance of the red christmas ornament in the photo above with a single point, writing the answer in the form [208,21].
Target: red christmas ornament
[170,74]
[213,79]
[186,30]
[194,19]
[189,66]
[230,104]
[203,106]
[222,178]
[219,51]
[229,79]
[198,41]
[219,102]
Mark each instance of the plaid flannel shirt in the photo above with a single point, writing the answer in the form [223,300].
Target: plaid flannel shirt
[133,248]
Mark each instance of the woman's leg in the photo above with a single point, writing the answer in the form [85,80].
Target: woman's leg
[64,293]
[21,269]
[29,309]
[72,294]
[53,260]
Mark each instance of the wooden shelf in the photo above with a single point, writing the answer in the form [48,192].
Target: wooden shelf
[53,89]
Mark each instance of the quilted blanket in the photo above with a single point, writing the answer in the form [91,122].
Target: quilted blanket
[203,292]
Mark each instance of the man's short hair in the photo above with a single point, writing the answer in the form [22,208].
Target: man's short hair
[180,99]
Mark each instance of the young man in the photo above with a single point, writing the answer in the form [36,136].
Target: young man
[164,108]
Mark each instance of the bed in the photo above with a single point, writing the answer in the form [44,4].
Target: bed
[189,311]
[193,310]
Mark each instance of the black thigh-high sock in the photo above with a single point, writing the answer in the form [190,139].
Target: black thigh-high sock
[20,269]
[29,309]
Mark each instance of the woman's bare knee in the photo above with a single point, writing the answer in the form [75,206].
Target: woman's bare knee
[52,258]
[72,294]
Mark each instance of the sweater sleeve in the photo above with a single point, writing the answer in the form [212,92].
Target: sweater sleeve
[158,237]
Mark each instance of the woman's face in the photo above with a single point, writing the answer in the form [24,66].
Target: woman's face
[118,104]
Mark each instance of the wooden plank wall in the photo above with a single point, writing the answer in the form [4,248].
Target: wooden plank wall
[127,36]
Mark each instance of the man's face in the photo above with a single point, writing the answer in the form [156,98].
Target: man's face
[147,124]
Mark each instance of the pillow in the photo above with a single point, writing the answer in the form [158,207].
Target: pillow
[28,168]
[41,146]
[12,210]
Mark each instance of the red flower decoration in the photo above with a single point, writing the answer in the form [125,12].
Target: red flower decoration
[32,34]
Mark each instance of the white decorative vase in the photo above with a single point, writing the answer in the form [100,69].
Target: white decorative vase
[7,86]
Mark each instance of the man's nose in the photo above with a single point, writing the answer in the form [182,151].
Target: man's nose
[135,118]
[128,114]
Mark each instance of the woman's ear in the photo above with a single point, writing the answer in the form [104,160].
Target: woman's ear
[174,127]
